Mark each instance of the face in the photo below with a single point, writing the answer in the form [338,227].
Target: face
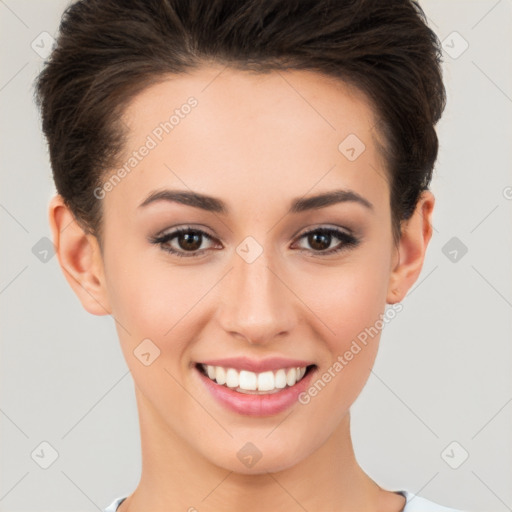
[257,278]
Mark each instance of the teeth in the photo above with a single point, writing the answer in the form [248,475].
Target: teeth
[211,371]
[220,375]
[266,381]
[291,376]
[250,382]
[232,378]
[280,379]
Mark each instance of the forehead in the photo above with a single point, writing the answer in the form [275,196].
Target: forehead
[218,130]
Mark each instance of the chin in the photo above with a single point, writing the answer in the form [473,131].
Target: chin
[255,457]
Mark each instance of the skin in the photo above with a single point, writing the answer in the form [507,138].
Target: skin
[255,143]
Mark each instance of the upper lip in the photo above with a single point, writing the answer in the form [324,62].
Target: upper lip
[257,366]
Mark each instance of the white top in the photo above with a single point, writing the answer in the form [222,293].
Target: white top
[413,504]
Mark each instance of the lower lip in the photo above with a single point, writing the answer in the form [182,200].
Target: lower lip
[257,405]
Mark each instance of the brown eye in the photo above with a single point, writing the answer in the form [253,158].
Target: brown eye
[189,241]
[182,241]
[319,240]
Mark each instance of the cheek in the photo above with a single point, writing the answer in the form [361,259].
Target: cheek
[342,377]
[150,295]
[154,301]
[348,299]
[349,304]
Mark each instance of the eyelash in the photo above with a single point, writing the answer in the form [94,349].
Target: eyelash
[347,241]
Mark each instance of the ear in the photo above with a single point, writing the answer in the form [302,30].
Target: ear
[416,234]
[79,257]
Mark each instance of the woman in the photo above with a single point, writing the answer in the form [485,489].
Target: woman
[243,186]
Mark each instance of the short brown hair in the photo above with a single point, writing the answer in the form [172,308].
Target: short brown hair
[109,50]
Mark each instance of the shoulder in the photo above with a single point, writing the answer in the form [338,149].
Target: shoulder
[418,504]
[113,506]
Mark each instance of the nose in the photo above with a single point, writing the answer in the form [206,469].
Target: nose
[256,304]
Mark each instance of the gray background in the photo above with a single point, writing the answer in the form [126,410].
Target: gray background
[443,373]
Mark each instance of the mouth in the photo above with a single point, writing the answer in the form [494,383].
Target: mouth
[252,383]
[255,394]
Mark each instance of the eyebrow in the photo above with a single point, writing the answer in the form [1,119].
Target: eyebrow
[215,205]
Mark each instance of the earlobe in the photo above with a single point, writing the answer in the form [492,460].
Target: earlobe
[416,234]
[79,257]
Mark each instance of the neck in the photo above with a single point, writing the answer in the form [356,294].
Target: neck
[176,477]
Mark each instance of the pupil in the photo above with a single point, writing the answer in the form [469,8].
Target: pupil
[325,239]
[190,240]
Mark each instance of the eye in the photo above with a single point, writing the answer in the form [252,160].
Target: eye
[188,240]
[321,238]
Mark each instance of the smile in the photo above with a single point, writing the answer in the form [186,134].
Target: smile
[251,393]
[245,381]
